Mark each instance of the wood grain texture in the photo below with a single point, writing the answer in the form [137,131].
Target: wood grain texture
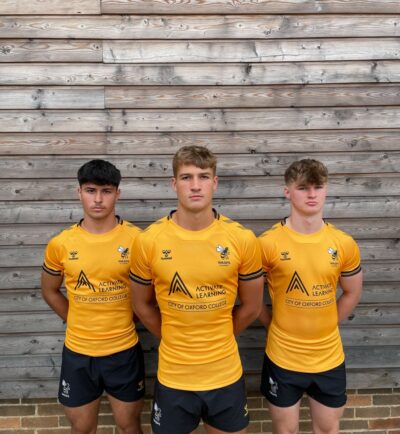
[69,212]
[199,120]
[84,74]
[360,228]
[200,26]
[40,7]
[251,96]
[264,187]
[248,6]
[49,50]
[253,51]
[92,144]
[60,97]
[228,165]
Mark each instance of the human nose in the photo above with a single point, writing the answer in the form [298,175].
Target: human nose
[98,197]
[195,184]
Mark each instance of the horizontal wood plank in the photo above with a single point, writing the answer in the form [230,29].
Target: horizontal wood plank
[360,228]
[69,212]
[374,272]
[254,51]
[84,74]
[228,187]
[199,120]
[375,378]
[200,26]
[49,50]
[40,7]
[48,367]
[30,300]
[32,256]
[51,97]
[248,6]
[254,337]
[228,165]
[220,142]
[248,96]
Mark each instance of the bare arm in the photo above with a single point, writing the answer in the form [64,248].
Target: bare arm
[144,305]
[53,296]
[352,288]
[251,297]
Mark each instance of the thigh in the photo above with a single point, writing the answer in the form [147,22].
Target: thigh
[174,411]
[127,414]
[281,387]
[329,387]
[225,409]
[80,382]
[83,419]
[123,374]
[285,420]
[325,420]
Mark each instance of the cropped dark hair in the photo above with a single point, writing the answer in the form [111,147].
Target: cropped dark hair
[307,171]
[99,172]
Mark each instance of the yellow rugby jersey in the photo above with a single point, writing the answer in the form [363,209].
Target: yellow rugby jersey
[96,274]
[195,276]
[302,276]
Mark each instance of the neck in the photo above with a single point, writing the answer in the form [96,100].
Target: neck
[99,226]
[193,221]
[305,224]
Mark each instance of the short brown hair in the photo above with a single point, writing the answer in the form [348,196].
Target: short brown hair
[198,156]
[307,172]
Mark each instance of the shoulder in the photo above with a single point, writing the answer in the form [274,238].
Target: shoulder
[62,237]
[340,236]
[271,234]
[235,229]
[151,232]
[130,229]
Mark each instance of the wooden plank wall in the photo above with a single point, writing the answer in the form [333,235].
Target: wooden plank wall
[260,82]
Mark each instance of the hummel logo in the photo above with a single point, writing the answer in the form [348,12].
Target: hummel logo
[177,285]
[84,281]
[296,283]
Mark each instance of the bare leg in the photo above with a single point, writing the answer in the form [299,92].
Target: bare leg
[285,420]
[127,415]
[83,419]
[325,420]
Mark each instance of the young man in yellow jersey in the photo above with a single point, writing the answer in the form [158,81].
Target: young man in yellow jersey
[195,262]
[101,350]
[304,258]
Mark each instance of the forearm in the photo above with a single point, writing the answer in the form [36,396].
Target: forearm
[242,317]
[265,316]
[58,302]
[150,316]
[346,304]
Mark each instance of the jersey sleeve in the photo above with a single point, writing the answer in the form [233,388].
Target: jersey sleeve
[140,271]
[250,267]
[52,263]
[351,258]
[266,252]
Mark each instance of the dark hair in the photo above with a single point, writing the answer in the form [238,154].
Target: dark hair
[307,172]
[198,156]
[99,172]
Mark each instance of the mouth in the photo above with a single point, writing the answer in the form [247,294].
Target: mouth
[311,203]
[196,197]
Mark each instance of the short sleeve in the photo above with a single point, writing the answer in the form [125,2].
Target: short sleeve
[250,268]
[140,271]
[266,252]
[52,263]
[351,263]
